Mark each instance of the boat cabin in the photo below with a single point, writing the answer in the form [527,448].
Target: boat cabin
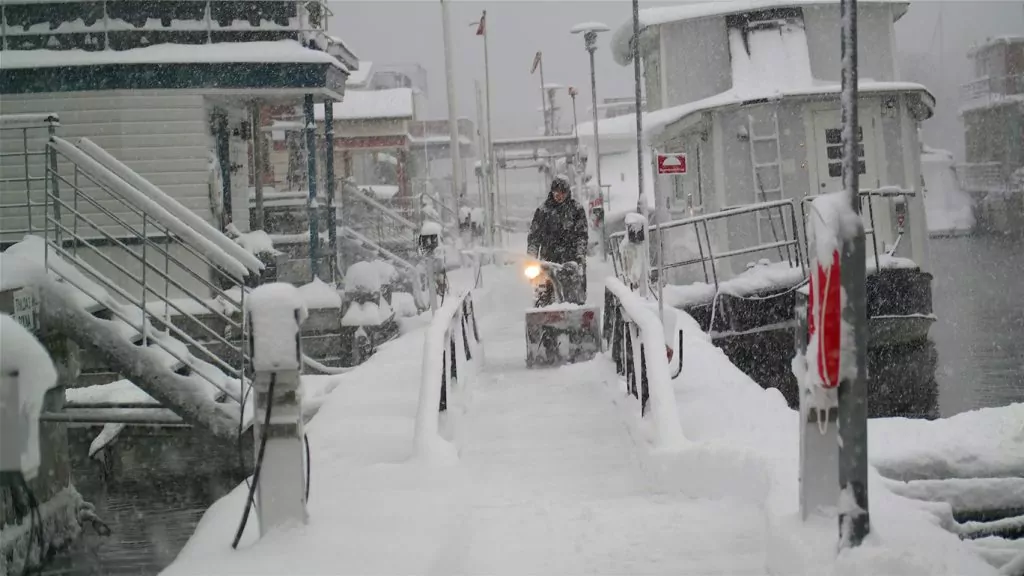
[750,92]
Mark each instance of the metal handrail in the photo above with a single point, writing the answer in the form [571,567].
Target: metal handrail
[457,317]
[706,258]
[25,123]
[167,234]
[58,232]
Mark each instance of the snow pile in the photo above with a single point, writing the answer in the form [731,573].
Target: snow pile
[386,271]
[318,294]
[380,191]
[362,314]
[276,313]
[22,265]
[774,276]
[748,443]
[26,362]
[404,304]
[256,242]
[362,277]
[431,228]
[948,209]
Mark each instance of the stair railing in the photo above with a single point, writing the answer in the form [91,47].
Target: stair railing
[95,218]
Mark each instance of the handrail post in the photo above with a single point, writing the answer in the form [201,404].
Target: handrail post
[55,186]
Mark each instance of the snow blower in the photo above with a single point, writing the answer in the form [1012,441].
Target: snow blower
[560,329]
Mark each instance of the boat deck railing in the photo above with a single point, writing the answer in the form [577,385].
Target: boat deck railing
[787,238]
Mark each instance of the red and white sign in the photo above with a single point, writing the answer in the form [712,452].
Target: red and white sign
[824,317]
[671,163]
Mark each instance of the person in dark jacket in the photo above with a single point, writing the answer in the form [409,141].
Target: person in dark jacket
[558,233]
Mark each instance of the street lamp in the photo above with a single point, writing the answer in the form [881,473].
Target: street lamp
[590,31]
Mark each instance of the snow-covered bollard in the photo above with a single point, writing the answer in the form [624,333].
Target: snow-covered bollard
[430,239]
[26,373]
[276,313]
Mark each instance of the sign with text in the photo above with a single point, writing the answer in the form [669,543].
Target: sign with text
[671,163]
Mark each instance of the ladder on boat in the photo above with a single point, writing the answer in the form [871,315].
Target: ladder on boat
[766,169]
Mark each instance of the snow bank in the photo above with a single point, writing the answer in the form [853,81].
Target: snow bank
[276,313]
[319,294]
[386,271]
[981,443]
[948,209]
[749,439]
[669,435]
[27,363]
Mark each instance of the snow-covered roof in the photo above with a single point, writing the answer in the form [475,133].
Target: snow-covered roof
[359,77]
[371,104]
[990,42]
[655,122]
[711,8]
[588,27]
[281,51]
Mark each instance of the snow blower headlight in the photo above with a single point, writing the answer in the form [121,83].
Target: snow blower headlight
[532,271]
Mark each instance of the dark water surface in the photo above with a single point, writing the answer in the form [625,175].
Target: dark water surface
[978,293]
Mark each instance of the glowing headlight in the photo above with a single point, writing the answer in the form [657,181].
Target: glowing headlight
[532,271]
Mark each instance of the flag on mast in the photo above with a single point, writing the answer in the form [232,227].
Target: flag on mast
[536,62]
[481,28]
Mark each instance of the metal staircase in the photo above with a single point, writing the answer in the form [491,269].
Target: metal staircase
[131,274]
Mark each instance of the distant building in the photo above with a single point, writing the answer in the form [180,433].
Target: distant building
[993,117]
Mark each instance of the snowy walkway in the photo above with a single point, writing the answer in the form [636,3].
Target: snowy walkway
[555,476]
[554,483]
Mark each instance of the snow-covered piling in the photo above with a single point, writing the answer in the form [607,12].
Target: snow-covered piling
[276,312]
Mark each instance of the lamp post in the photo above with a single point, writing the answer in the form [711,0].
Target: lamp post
[590,31]
[641,204]
[453,122]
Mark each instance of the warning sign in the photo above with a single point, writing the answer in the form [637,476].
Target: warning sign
[671,163]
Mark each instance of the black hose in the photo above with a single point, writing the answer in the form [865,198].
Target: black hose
[309,465]
[35,529]
[259,464]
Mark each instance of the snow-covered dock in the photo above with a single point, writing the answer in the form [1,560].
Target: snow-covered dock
[556,475]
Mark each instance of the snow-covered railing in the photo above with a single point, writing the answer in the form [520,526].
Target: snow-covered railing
[23,174]
[445,367]
[105,232]
[866,197]
[637,341]
[784,238]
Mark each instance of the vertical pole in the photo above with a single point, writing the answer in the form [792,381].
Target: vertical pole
[257,165]
[312,208]
[591,43]
[641,202]
[224,157]
[332,210]
[453,126]
[854,522]
[492,183]
[54,189]
[544,99]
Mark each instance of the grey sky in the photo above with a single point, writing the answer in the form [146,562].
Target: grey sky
[410,31]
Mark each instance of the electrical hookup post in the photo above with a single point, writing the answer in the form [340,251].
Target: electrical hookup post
[831,362]
[281,478]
